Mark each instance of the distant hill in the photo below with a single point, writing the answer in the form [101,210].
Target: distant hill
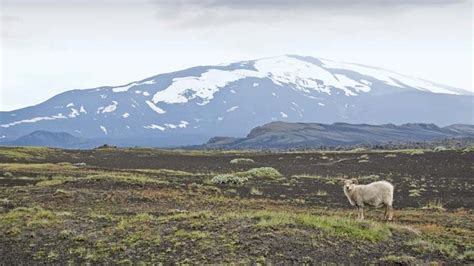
[283,135]
[50,139]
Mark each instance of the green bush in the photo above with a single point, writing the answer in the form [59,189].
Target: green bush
[229,179]
[242,161]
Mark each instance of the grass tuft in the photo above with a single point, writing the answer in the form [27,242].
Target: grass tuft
[435,205]
[399,260]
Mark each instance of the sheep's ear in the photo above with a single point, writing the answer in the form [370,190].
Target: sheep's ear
[355,181]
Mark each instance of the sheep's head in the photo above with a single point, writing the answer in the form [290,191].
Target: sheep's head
[349,184]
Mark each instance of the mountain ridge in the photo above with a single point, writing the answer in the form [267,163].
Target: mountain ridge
[189,106]
[284,135]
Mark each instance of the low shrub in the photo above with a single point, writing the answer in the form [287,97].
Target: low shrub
[242,177]
[440,148]
[229,179]
[415,152]
[262,172]
[255,192]
[8,175]
[242,161]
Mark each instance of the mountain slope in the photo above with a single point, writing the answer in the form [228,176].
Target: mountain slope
[294,135]
[192,105]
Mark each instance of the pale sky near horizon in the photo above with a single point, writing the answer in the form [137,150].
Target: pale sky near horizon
[50,46]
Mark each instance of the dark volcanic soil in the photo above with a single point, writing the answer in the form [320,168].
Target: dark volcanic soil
[418,178]
[122,207]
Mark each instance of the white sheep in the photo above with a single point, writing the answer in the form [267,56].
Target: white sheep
[374,194]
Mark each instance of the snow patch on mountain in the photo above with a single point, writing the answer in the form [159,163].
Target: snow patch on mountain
[153,126]
[182,124]
[389,77]
[34,120]
[82,110]
[104,129]
[108,109]
[233,108]
[127,87]
[155,108]
[304,76]
[73,113]
[187,88]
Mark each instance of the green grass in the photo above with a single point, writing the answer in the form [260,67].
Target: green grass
[36,167]
[128,178]
[425,246]
[329,180]
[165,172]
[467,255]
[191,235]
[138,229]
[333,225]
[26,153]
[33,217]
[56,180]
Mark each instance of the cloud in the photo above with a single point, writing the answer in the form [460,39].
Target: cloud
[196,13]
[297,4]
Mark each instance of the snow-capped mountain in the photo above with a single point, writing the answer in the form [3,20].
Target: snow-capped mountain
[192,105]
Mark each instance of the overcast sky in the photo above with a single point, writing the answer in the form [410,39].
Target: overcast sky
[51,46]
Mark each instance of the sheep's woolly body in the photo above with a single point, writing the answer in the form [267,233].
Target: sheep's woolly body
[375,194]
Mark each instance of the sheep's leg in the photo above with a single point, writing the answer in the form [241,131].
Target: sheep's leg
[360,214]
[390,212]
[385,216]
